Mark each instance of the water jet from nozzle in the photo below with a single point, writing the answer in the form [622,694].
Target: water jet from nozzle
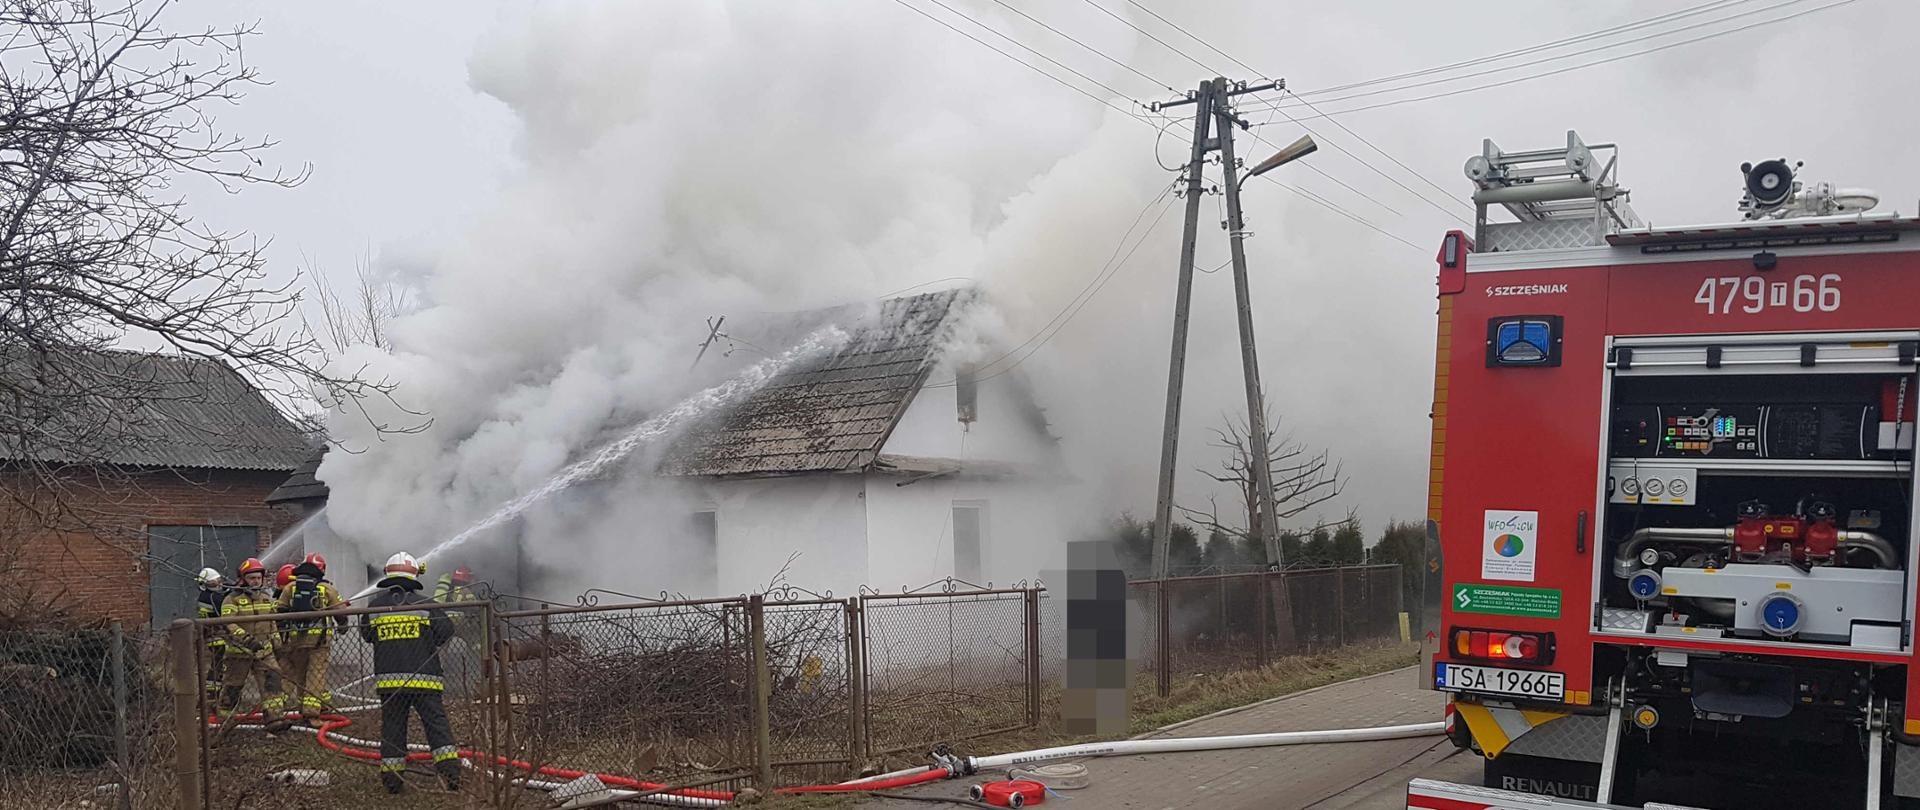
[727,393]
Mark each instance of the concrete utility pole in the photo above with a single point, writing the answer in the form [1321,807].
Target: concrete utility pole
[1182,303]
[1214,110]
[1259,460]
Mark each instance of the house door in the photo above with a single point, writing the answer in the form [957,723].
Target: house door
[179,552]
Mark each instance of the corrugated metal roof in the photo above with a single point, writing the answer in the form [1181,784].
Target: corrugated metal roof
[304,484]
[830,414]
[143,410]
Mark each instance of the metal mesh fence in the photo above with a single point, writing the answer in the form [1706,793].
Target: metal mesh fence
[1231,622]
[666,692]
[946,666]
[60,740]
[660,692]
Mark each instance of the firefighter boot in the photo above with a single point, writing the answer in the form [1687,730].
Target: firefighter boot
[392,782]
[449,774]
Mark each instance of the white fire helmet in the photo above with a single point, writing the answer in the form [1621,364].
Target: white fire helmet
[402,566]
[208,578]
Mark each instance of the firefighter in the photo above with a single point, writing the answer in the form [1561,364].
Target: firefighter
[308,642]
[407,674]
[213,590]
[250,643]
[281,579]
[458,586]
[454,586]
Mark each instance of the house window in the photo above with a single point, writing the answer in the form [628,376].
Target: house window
[969,540]
[704,527]
[179,552]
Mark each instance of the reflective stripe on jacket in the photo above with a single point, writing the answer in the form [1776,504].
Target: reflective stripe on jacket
[406,643]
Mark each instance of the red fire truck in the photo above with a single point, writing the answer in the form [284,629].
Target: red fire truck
[1672,494]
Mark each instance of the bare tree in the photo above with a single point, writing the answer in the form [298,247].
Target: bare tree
[107,122]
[1302,479]
[364,317]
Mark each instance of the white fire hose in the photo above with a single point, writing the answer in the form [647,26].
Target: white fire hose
[958,767]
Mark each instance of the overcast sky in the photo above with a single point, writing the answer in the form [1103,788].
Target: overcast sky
[409,158]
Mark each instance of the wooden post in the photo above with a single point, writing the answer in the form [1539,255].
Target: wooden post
[856,692]
[187,723]
[762,694]
[121,760]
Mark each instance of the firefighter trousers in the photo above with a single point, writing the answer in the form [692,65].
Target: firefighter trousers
[238,668]
[305,661]
[216,663]
[395,706]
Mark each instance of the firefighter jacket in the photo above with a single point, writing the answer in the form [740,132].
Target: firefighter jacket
[209,602]
[304,594]
[446,590]
[253,638]
[406,643]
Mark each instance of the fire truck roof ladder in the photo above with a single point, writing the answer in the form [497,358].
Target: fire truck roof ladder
[1561,197]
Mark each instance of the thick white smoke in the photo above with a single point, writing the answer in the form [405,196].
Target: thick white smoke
[692,160]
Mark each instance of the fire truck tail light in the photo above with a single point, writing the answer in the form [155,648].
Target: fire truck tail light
[1503,645]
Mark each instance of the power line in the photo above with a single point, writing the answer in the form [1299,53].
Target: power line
[1594,63]
[1617,29]
[1149,35]
[1608,46]
[1209,46]
[1317,170]
[1310,196]
[1388,155]
[1062,65]
[1060,319]
[1017,60]
[1096,51]
[1364,162]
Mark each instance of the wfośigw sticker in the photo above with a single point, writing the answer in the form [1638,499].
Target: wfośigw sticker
[1509,545]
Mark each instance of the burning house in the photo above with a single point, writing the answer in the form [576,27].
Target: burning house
[883,463]
[872,463]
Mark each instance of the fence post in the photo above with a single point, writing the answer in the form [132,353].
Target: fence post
[1261,606]
[493,675]
[120,759]
[1033,656]
[1340,599]
[856,692]
[1163,649]
[762,684]
[188,724]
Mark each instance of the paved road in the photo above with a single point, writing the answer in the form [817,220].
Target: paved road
[1346,776]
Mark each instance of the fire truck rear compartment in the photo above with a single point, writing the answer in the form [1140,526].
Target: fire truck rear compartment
[1761,507]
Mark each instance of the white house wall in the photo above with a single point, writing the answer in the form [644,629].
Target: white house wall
[761,522]
[910,529]
[1002,431]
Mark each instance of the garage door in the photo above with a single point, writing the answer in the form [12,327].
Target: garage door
[181,551]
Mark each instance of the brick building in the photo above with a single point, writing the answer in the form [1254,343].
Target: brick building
[171,476]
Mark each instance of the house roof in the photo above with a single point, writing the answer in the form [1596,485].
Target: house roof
[143,410]
[304,484]
[830,413]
